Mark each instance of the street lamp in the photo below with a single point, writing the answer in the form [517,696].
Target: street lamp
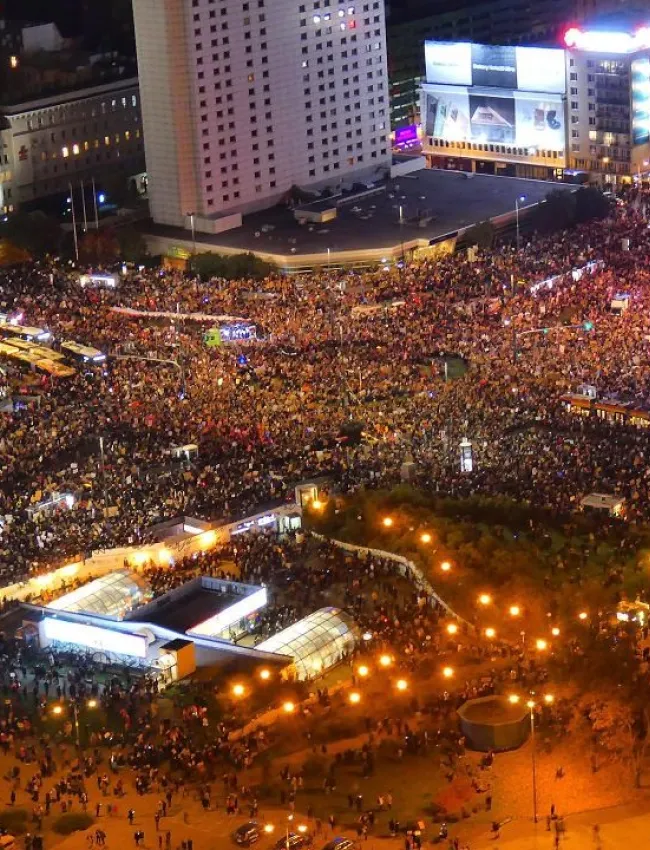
[555,631]
[548,699]
[583,615]
[57,710]
[265,674]
[445,566]
[401,685]
[355,697]
[288,707]
[452,629]
[238,690]
[541,644]
[515,610]
[191,215]
[485,599]
[385,660]
[490,632]
[518,201]
[425,538]
[363,670]
[448,672]
[387,522]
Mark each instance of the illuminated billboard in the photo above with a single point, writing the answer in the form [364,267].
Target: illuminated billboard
[493,66]
[217,624]
[640,72]
[94,637]
[520,119]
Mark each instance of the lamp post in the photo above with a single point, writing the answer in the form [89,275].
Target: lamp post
[58,710]
[191,215]
[531,706]
[518,201]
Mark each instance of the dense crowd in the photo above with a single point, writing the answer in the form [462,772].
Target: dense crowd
[268,413]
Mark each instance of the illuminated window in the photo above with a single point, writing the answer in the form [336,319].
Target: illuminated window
[127,135]
[75,149]
[107,141]
[65,152]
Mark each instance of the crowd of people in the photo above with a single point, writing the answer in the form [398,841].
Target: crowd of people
[339,350]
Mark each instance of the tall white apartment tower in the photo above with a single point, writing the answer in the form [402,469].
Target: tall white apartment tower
[243,99]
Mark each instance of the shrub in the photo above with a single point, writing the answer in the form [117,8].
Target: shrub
[14,821]
[72,822]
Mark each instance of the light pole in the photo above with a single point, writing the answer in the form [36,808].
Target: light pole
[401,233]
[518,201]
[191,215]
[531,706]
[58,710]
[328,259]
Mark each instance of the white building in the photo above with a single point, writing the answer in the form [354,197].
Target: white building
[243,99]
[49,142]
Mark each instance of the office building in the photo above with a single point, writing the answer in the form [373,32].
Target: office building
[506,22]
[609,101]
[245,100]
[48,142]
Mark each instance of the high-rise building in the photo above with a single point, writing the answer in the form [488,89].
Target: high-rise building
[242,100]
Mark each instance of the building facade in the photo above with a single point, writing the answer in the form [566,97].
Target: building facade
[495,109]
[608,79]
[47,143]
[245,99]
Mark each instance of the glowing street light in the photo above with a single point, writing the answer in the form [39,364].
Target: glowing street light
[452,629]
[555,631]
[57,709]
[490,632]
[515,610]
[401,685]
[541,644]
[316,504]
[448,672]
[269,828]
[445,566]
[385,660]
[288,707]
[583,615]
[387,521]
[514,699]
[549,698]
[485,599]
[355,697]
[425,538]
[363,670]
[301,828]
[238,690]
[265,674]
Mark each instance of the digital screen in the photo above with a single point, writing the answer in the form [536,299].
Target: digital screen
[230,333]
[492,66]
[94,637]
[640,71]
[522,119]
[405,135]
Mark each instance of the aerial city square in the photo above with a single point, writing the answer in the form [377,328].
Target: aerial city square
[324,425]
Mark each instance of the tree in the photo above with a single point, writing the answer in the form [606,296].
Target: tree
[35,232]
[591,204]
[481,234]
[556,212]
[99,246]
[132,245]
[238,266]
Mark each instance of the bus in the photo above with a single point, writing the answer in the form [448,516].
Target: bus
[78,353]
[55,367]
[24,332]
[31,348]
[609,410]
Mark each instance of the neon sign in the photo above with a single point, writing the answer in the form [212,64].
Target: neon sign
[605,41]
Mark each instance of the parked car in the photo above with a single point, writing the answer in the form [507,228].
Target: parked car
[340,843]
[292,842]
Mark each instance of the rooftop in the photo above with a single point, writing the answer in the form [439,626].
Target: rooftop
[434,203]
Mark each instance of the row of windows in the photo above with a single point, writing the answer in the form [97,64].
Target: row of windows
[491,148]
[106,155]
[62,114]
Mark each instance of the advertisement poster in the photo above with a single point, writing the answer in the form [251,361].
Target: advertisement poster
[535,69]
[521,119]
[640,100]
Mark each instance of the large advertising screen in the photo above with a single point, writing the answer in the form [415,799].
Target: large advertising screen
[521,119]
[508,67]
[640,100]
[94,637]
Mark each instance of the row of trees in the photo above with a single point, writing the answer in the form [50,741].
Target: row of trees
[237,266]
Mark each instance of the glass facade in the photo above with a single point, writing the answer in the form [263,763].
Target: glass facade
[112,595]
[316,643]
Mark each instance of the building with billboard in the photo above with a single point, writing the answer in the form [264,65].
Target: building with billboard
[608,69]
[495,109]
